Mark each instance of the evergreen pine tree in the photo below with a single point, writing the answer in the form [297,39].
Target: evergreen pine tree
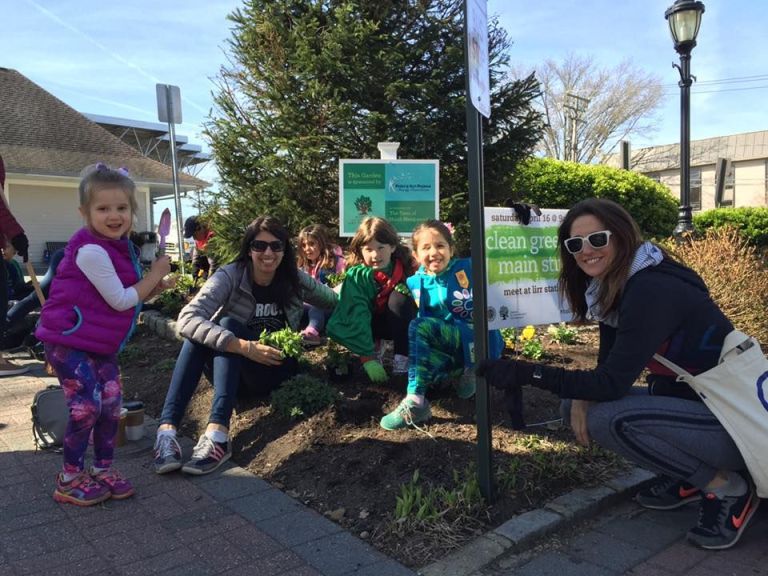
[310,82]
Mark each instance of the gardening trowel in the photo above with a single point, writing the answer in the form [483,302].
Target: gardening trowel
[163,229]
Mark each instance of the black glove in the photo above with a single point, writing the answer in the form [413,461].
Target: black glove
[21,244]
[509,376]
[522,210]
[513,399]
[501,374]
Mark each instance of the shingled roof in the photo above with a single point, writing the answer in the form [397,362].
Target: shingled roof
[41,135]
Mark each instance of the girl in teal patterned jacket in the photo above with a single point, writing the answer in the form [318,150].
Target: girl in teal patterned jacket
[440,338]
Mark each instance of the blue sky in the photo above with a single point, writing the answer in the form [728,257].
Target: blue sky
[105,58]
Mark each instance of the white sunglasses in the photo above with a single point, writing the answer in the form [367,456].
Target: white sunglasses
[596,240]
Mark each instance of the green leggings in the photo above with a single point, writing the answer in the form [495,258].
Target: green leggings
[435,353]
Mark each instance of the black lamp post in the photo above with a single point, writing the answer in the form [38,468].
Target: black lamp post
[684,17]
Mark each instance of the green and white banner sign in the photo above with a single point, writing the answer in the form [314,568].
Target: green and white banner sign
[523,266]
[405,192]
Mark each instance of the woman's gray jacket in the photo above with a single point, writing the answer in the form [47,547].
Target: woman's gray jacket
[228,293]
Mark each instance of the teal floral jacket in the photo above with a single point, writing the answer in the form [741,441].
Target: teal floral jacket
[448,296]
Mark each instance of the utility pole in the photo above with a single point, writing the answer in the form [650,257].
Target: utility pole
[575,107]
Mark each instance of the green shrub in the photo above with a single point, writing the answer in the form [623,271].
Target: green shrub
[556,184]
[302,396]
[752,223]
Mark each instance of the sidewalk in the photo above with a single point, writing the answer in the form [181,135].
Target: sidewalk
[229,522]
[633,541]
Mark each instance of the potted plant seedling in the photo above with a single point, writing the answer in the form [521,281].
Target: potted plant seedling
[338,362]
[286,340]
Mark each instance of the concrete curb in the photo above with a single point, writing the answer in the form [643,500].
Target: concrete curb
[515,535]
[526,530]
[160,325]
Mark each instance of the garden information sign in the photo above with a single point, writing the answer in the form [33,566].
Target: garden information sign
[405,192]
[523,265]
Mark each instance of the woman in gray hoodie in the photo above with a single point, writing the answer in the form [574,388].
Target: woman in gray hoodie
[261,290]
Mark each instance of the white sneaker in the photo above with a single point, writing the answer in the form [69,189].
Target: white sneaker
[8,368]
[400,364]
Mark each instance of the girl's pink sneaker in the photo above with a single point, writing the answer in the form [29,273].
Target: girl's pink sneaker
[311,337]
[82,490]
[113,481]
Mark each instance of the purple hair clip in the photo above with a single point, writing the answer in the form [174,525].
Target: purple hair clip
[123,170]
[101,167]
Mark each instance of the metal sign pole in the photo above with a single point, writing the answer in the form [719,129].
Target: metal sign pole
[476,58]
[169,109]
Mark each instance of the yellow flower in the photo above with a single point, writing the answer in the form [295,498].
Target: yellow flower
[528,333]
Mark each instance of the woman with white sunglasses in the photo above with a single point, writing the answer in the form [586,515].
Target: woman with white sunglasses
[645,303]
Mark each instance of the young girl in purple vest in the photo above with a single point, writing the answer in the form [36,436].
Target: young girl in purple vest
[318,257]
[90,313]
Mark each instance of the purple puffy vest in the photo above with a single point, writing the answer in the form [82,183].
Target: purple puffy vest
[75,315]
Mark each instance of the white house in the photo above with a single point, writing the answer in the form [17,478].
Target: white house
[45,145]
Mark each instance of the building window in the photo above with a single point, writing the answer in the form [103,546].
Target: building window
[695,180]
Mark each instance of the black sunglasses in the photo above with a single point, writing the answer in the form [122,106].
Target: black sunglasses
[262,245]
[597,240]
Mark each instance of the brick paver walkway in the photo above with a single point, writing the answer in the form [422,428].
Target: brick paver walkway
[229,522]
[629,540]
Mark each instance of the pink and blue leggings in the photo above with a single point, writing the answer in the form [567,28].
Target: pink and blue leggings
[91,384]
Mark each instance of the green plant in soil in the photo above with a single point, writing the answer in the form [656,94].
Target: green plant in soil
[171,301]
[166,364]
[424,502]
[130,353]
[539,464]
[286,340]
[532,349]
[302,396]
[563,334]
[337,357]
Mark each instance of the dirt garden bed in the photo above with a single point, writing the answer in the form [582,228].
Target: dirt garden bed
[342,464]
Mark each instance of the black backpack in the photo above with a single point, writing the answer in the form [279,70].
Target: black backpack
[49,418]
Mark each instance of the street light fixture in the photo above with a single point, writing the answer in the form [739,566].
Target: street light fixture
[684,18]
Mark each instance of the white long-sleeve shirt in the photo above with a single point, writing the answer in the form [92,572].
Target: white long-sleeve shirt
[95,263]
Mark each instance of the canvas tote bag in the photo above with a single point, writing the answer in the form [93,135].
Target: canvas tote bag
[736,392]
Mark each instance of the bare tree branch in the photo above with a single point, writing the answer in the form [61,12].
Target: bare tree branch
[605,104]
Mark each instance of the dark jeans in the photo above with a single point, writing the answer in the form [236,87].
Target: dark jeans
[227,372]
[673,436]
[392,323]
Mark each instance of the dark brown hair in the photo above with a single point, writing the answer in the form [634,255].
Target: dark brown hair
[286,281]
[436,226]
[625,239]
[379,229]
